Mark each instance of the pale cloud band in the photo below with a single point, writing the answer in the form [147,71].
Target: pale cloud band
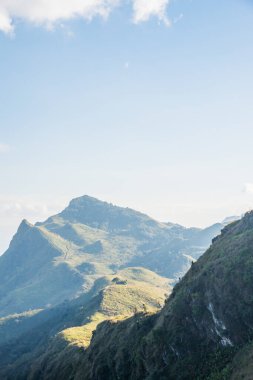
[48,12]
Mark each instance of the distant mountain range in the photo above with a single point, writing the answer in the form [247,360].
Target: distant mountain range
[61,258]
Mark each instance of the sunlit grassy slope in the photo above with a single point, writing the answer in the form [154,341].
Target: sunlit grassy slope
[58,335]
[204,330]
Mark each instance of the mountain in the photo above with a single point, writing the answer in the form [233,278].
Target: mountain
[61,258]
[204,331]
[60,334]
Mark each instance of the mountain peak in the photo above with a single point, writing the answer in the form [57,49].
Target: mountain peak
[87,203]
[100,214]
[24,226]
[85,200]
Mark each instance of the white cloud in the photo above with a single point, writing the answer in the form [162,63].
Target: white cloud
[144,9]
[5,22]
[248,188]
[49,12]
[4,148]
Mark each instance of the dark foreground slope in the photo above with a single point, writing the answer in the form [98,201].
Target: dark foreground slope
[207,320]
[61,258]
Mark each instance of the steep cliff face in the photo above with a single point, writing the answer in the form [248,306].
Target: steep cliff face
[207,319]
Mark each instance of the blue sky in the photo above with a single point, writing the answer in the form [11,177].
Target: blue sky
[127,109]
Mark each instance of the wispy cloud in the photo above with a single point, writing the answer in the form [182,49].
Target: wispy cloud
[48,12]
[4,148]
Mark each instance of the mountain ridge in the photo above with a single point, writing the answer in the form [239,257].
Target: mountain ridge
[205,322]
[203,332]
[61,257]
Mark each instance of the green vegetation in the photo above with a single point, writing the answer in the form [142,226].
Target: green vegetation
[60,335]
[111,325]
[62,257]
[204,331]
